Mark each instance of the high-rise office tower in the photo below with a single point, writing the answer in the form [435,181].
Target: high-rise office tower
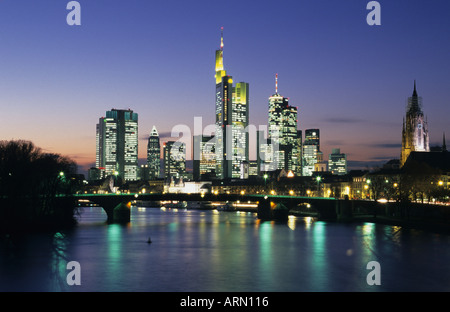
[299,145]
[283,131]
[415,128]
[204,160]
[117,144]
[240,139]
[311,151]
[265,153]
[337,162]
[174,160]
[231,121]
[154,154]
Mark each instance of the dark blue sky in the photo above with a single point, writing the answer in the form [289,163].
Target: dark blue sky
[347,78]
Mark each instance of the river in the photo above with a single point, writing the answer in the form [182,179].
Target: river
[197,251]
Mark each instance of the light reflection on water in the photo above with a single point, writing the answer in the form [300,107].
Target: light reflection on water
[225,251]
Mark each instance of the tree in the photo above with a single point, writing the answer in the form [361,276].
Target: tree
[419,180]
[32,184]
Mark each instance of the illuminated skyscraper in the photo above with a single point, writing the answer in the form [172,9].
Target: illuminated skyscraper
[117,144]
[231,121]
[299,146]
[283,131]
[154,154]
[239,115]
[174,160]
[311,151]
[204,159]
[415,128]
[337,162]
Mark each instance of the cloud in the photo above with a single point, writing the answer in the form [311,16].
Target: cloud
[385,145]
[344,120]
[335,143]
[364,164]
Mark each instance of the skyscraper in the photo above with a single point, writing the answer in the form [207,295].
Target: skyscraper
[298,170]
[240,139]
[337,162]
[283,131]
[174,160]
[311,151]
[117,144]
[415,128]
[154,154]
[231,109]
[265,153]
[204,160]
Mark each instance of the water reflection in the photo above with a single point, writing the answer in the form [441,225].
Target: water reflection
[225,251]
[319,257]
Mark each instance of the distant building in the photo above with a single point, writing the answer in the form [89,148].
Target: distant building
[204,160]
[144,172]
[94,174]
[298,171]
[311,151]
[264,153]
[117,144]
[337,162]
[154,155]
[253,168]
[174,160]
[415,128]
[321,167]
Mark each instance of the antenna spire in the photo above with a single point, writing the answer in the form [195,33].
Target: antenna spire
[221,38]
[276,83]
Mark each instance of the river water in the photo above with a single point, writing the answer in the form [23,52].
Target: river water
[197,251]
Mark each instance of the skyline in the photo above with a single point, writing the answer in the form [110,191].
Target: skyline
[348,79]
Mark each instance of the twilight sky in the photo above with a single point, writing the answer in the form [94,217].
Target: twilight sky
[347,78]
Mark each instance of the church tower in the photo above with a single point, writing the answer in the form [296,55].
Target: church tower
[415,128]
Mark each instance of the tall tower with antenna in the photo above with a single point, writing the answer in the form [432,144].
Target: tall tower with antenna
[232,118]
[283,131]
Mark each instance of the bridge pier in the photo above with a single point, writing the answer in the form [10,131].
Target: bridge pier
[344,210]
[264,210]
[120,213]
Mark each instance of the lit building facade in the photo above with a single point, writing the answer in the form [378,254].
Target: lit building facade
[337,162]
[174,160]
[154,155]
[117,144]
[231,110]
[415,128]
[283,131]
[265,153]
[240,135]
[311,151]
[299,145]
[204,160]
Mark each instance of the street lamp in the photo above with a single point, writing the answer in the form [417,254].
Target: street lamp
[367,186]
[318,178]
[265,176]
